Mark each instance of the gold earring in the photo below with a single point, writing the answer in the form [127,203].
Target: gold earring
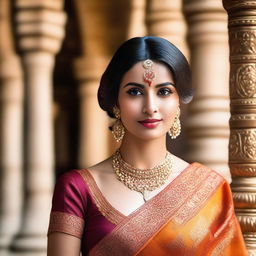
[118,128]
[174,132]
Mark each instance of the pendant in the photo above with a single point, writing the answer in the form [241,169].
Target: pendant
[146,195]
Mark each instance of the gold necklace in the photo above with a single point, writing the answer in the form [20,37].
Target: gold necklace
[142,180]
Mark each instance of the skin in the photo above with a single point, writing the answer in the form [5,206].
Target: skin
[137,100]
[141,147]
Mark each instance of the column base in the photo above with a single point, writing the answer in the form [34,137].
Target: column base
[5,241]
[29,245]
[4,252]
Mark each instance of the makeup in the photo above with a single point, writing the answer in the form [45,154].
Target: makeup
[150,123]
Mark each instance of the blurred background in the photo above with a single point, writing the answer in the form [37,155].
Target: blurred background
[52,55]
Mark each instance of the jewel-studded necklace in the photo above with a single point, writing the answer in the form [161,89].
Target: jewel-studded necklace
[142,180]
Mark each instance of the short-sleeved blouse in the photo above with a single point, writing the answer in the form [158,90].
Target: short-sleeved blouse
[80,210]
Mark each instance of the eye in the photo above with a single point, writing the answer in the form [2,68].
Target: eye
[164,92]
[134,92]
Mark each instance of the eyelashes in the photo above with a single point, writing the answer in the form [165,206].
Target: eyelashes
[161,92]
[135,92]
[165,91]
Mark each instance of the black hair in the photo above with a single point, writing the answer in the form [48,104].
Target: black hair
[138,49]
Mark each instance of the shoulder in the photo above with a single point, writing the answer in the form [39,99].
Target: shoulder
[70,180]
[101,171]
[179,164]
[224,174]
[197,169]
[211,175]
[104,166]
[71,186]
[69,176]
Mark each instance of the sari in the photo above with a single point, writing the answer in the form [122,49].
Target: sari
[193,215]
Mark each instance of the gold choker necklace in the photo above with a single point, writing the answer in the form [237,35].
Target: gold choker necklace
[142,180]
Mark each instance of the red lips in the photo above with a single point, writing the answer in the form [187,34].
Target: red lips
[150,120]
[150,123]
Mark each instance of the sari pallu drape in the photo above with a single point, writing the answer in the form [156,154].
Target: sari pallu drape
[193,215]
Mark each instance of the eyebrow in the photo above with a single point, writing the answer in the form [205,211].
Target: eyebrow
[143,86]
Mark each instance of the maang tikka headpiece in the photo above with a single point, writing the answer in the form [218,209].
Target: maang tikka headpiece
[149,75]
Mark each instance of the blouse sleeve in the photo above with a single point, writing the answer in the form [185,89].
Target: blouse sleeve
[68,205]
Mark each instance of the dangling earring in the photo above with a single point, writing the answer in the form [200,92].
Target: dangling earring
[117,128]
[174,132]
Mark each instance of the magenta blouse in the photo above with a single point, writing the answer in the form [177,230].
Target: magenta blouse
[79,209]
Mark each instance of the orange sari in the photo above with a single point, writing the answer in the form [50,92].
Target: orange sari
[192,216]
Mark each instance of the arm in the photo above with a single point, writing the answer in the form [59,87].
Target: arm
[66,224]
[61,244]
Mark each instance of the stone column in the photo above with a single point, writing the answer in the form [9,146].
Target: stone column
[165,18]
[136,26]
[207,124]
[93,121]
[97,47]
[40,30]
[242,143]
[11,114]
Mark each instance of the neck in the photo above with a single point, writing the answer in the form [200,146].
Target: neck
[143,154]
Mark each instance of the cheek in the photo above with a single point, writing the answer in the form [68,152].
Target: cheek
[169,108]
[129,112]
[129,106]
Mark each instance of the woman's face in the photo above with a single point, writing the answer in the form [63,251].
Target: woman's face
[148,110]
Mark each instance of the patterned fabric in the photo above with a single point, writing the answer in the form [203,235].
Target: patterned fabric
[193,215]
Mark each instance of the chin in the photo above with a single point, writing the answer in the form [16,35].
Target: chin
[148,135]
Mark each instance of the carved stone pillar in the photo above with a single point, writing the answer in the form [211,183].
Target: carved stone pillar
[165,18]
[242,144]
[93,121]
[207,124]
[97,47]
[40,29]
[137,19]
[11,109]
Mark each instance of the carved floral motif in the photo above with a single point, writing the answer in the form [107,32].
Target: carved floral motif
[240,170]
[243,42]
[234,144]
[242,144]
[243,81]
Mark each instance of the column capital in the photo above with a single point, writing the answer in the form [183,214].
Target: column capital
[238,5]
[195,6]
[165,19]
[207,19]
[89,68]
[40,25]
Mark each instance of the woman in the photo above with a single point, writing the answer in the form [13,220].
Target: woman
[144,200]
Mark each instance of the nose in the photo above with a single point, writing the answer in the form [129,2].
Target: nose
[150,105]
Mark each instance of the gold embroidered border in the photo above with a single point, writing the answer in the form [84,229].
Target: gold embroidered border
[102,204]
[128,237]
[199,198]
[66,223]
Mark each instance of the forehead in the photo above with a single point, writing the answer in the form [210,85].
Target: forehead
[135,73]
